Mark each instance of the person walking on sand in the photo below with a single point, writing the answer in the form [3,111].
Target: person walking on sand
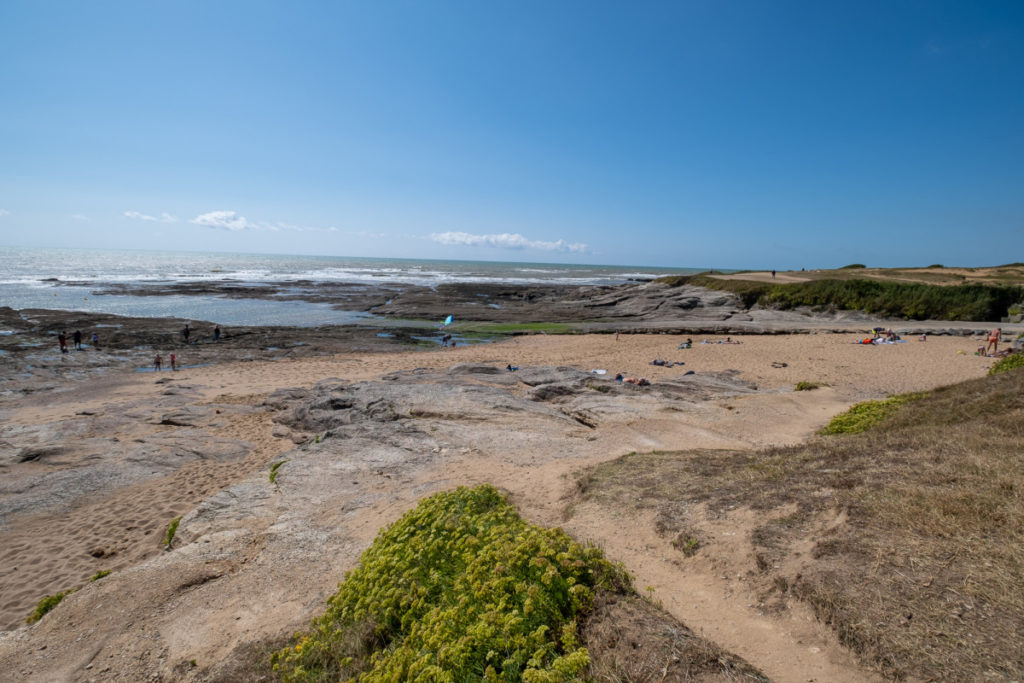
[773,273]
[62,339]
[173,366]
[157,363]
[993,340]
[77,336]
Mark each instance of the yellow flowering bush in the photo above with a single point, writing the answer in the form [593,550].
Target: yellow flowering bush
[460,588]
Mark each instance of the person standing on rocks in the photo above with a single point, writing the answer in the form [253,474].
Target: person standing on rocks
[216,333]
[62,339]
[96,341]
[77,336]
[185,333]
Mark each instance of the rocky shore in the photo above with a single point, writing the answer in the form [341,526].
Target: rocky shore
[397,315]
[97,458]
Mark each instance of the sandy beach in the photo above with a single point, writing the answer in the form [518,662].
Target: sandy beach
[854,370]
[221,408]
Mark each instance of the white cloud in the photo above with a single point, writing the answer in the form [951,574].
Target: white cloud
[4,212]
[82,217]
[505,241]
[224,220]
[162,218]
[230,220]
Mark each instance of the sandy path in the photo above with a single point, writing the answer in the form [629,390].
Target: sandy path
[766,276]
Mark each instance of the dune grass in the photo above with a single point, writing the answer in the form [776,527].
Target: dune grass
[916,526]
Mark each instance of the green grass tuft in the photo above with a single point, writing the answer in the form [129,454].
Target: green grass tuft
[1011,362]
[99,575]
[276,465]
[171,530]
[459,589]
[47,604]
[863,415]
[809,386]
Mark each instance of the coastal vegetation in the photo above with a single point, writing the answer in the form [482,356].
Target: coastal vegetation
[277,465]
[172,529]
[915,524]
[46,604]
[863,415]
[458,588]
[1012,362]
[461,588]
[910,300]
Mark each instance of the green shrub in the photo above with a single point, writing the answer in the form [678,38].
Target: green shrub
[863,415]
[47,604]
[99,575]
[809,386]
[912,300]
[459,589]
[1011,362]
[853,265]
[171,530]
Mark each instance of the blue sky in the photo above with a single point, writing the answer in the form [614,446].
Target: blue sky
[705,134]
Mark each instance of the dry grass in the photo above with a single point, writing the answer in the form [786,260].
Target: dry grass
[924,577]
[631,640]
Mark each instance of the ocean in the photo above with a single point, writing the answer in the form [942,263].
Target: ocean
[66,279]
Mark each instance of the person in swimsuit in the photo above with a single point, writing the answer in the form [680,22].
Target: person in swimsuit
[993,340]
